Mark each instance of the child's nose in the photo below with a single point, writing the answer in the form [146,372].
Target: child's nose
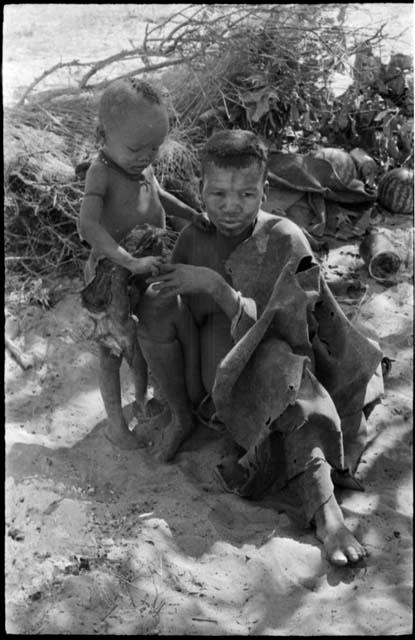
[150,157]
[230,203]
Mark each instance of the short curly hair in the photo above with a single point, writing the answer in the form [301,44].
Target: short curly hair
[235,148]
[123,96]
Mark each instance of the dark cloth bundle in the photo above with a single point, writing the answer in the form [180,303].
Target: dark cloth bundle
[311,193]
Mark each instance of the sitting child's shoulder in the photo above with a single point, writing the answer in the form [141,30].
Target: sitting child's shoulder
[193,233]
[283,231]
[191,237]
[280,224]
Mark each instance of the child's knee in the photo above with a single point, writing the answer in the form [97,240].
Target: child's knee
[157,317]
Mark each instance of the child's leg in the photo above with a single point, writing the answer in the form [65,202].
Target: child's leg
[161,325]
[309,439]
[340,544]
[316,491]
[110,387]
[167,366]
[188,335]
[215,343]
[147,406]
[139,371]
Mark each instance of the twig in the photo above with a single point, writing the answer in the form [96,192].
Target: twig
[19,258]
[59,65]
[97,66]
[109,612]
[182,25]
[72,91]
[170,19]
[148,68]
[131,597]
[205,620]
[24,360]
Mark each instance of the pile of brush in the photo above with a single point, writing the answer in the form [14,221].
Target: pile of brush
[44,145]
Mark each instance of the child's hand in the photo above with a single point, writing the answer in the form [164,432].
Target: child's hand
[149,264]
[184,278]
[201,220]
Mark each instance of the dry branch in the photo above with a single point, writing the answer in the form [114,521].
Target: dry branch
[26,361]
[48,72]
[51,94]
[183,37]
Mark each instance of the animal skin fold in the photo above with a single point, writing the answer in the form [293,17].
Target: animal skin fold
[301,360]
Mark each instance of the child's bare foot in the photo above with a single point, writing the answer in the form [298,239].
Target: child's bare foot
[121,437]
[172,437]
[148,424]
[340,544]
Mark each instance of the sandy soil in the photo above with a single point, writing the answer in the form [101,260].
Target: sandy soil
[103,542]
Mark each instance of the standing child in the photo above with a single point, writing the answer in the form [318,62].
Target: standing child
[122,192]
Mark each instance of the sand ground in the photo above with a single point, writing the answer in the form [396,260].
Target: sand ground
[102,542]
[106,542]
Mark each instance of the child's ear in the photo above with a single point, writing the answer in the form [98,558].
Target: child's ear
[266,191]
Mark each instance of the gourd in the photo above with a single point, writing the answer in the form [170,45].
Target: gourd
[366,166]
[341,162]
[396,190]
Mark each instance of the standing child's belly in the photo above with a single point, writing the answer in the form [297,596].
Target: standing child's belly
[128,204]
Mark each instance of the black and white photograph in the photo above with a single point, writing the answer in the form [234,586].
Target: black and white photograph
[208,245]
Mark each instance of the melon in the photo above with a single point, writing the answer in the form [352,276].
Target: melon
[341,161]
[396,190]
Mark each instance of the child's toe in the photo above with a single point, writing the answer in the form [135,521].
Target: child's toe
[353,554]
[338,558]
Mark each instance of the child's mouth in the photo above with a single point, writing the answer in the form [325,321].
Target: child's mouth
[231,227]
[231,223]
[139,167]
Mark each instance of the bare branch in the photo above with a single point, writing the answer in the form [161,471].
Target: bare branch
[170,18]
[36,81]
[97,66]
[56,93]
[146,69]
[183,25]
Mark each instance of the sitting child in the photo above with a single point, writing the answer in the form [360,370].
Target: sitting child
[291,379]
[122,192]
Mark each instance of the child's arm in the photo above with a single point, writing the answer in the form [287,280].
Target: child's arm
[97,236]
[175,207]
